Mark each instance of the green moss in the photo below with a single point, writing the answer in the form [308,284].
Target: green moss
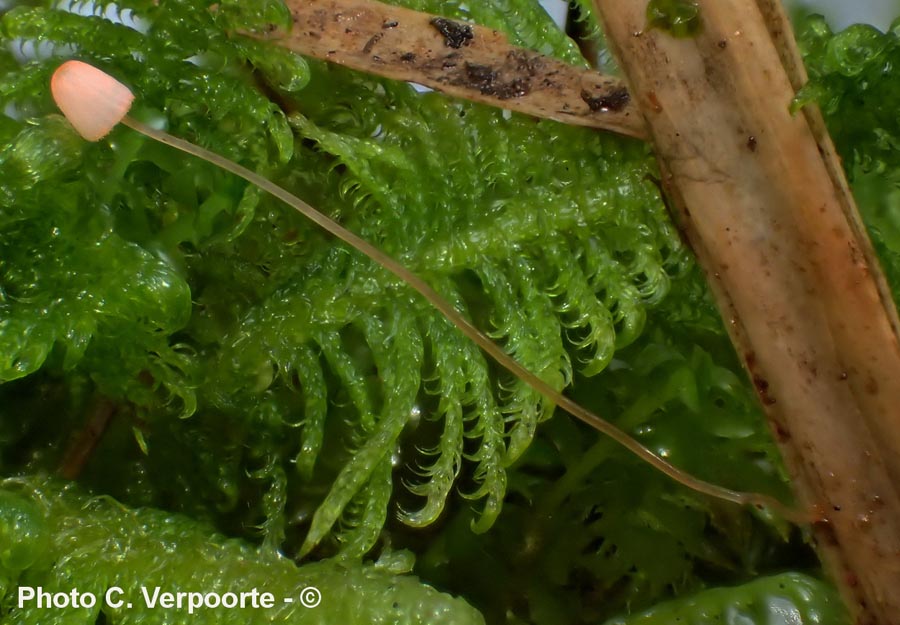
[59,537]
[680,18]
[182,292]
[777,600]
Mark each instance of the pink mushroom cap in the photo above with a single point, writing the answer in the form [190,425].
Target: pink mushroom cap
[92,100]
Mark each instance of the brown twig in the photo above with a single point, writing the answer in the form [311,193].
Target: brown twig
[84,443]
[459,59]
[761,196]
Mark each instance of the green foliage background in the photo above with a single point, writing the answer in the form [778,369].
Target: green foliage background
[275,386]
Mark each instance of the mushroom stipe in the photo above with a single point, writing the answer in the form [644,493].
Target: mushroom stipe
[94,103]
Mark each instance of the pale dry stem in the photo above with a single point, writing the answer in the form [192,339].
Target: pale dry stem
[762,198]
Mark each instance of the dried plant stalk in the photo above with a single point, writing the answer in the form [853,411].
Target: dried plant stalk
[762,198]
[459,59]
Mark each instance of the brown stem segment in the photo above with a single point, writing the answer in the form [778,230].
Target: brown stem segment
[87,439]
[459,59]
[763,201]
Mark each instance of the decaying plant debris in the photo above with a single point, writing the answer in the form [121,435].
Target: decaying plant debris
[763,202]
[459,59]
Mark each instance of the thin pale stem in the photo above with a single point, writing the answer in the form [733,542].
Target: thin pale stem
[465,326]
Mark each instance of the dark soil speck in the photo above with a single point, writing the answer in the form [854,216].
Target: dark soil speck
[613,101]
[456,35]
